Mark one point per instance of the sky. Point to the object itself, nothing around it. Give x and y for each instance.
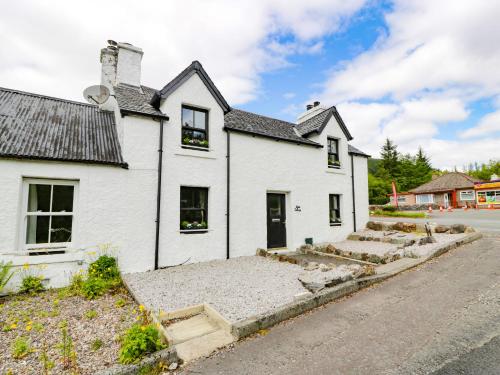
(421, 72)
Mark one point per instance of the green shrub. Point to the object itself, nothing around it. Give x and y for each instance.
(32, 284)
(96, 344)
(389, 208)
(76, 284)
(104, 267)
(90, 314)
(5, 274)
(138, 341)
(20, 348)
(94, 287)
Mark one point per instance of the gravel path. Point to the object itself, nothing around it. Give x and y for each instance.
(237, 288)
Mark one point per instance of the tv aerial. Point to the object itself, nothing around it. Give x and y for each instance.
(97, 94)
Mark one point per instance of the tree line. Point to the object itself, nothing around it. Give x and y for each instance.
(410, 171)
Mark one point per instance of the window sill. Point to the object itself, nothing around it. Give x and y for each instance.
(198, 148)
(335, 166)
(335, 224)
(187, 231)
(335, 170)
(193, 152)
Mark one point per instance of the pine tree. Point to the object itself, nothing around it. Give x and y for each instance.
(390, 157)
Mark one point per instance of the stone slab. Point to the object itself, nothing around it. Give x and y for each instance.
(204, 345)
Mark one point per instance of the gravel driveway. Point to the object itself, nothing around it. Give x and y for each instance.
(237, 288)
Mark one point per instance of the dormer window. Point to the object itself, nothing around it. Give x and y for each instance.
(194, 126)
(333, 153)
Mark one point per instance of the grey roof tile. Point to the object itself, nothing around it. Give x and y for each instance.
(251, 123)
(356, 151)
(40, 127)
(137, 100)
(447, 182)
(318, 122)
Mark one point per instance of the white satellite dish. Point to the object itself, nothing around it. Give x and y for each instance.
(97, 94)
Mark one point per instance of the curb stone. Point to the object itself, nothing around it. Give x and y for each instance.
(253, 324)
(168, 356)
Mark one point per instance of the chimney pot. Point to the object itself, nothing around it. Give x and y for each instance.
(309, 106)
(316, 103)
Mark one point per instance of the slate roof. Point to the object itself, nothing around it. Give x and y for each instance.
(35, 126)
(136, 100)
(251, 123)
(194, 68)
(317, 123)
(356, 151)
(447, 182)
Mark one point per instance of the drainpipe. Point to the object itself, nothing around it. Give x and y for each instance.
(353, 193)
(158, 195)
(227, 192)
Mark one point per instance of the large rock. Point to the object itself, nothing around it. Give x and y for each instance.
(405, 227)
(441, 228)
(375, 225)
(311, 266)
(330, 249)
(457, 228)
(426, 240)
(469, 230)
(317, 280)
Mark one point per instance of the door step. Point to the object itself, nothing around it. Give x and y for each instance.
(197, 336)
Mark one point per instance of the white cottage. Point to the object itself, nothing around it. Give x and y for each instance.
(168, 176)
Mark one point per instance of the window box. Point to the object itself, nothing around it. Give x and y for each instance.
(333, 163)
(194, 127)
(193, 209)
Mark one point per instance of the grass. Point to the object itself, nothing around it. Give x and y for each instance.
(414, 215)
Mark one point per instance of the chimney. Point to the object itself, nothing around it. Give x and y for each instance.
(311, 111)
(121, 63)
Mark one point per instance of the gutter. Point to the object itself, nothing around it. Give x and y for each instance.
(353, 193)
(158, 196)
(228, 181)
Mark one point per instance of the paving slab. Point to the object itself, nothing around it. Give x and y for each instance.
(204, 345)
(198, 325)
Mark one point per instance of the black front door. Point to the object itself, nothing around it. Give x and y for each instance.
(276, 220)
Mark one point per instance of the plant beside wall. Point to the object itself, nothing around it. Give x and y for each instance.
(194, 142)
(6, 274)
(139, 340)
(186, 225)
(31, 281)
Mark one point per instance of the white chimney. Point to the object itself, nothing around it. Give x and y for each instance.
(311, 111)
(121, 63)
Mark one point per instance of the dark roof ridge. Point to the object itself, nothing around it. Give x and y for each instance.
(50, 97)
(194, 67)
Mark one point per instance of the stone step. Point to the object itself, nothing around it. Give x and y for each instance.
(204, 345)
(185, 330)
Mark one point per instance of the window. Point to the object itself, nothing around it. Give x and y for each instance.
(194, 208)
(467, 195)
(333, 153)
(194, 127)
(425, 198)
(335, 209)
(488, 196)
(48, 219)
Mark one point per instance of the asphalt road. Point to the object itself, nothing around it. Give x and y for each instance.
(484, 220)
(440, 318)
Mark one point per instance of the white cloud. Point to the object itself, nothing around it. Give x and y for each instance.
(53, 48)
(436, 58)
(289, 95)
(487, 126)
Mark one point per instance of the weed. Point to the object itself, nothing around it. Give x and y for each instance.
(47, 364)
(120, 302)
(138, 341)
(91, 314)
(5, 274)
(38, 327)
(96, 344)
(94, 287)
(66, 347)
(32, 285)
(105, 267)
(20, 348)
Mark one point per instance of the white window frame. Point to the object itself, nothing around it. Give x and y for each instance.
(46, 247)
(430, 201)
(470, 192)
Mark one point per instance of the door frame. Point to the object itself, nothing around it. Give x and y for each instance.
(288, 217)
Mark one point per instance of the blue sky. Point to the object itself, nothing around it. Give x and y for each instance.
(422, 72)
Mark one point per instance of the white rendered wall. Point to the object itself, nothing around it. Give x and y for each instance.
(260, 165)
(185, 167)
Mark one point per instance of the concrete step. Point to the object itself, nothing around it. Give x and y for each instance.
(185, 330)
(204, 345)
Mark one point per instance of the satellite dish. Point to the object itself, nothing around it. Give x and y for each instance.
(97, 94)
